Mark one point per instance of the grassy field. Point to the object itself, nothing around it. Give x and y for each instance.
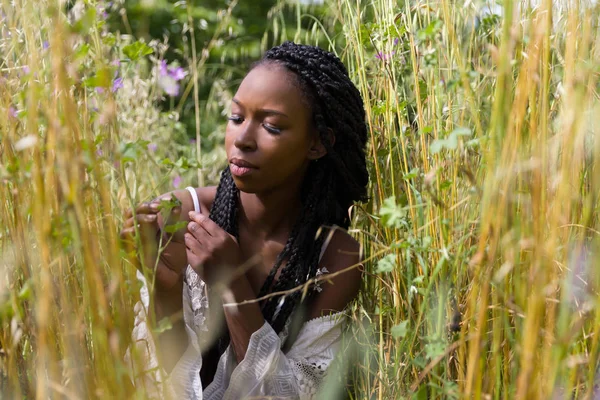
(480, 234)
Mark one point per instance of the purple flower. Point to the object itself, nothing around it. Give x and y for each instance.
(99, 152)
(169, 85)
(102, 12)
(168, 78)
(384, 56)
(117, 84)
(99, 89)
(45, 45)
(163, 68)
(177, 73)
(152, 147)
(396, 40)
(115, 63)
(176, 181)
(13, 112)
(26, 70)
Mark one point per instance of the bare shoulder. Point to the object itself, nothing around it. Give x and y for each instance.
(341, 250)
(342, 259)
(206, 197)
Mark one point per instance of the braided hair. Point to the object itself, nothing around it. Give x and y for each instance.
(331, 184)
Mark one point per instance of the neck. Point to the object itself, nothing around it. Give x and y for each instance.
(269, 212)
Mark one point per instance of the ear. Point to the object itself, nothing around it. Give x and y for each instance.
(317, 149)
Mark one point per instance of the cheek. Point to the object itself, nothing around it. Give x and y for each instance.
(229, 138)
(286, 156)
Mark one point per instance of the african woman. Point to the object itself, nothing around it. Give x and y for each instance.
(295, 144)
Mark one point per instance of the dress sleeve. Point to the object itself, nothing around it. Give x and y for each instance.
(185, 377)
(267, 371)
(184, 380)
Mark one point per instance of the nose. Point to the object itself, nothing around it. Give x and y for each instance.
(244, 138)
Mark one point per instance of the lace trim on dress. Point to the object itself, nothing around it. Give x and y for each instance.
(265, 371)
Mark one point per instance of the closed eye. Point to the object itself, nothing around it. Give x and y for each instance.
(272, 129)
(236, 119)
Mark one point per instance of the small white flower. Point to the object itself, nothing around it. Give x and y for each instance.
(26, 142)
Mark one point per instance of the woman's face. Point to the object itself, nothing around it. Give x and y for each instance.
(269, 138)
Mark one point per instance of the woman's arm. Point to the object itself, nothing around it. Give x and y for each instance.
(242, 320)
(169, 274)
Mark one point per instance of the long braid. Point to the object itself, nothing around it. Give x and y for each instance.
(331, 185)
(224, 209)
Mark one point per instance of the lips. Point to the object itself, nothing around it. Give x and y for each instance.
(239, 167)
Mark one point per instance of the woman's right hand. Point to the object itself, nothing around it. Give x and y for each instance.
(172, 261)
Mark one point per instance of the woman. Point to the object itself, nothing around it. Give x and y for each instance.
(295, 143)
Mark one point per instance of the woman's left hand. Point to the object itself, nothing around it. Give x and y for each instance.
(210, 249)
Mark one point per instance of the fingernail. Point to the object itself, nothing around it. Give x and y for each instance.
(192, 226)
(192, 214)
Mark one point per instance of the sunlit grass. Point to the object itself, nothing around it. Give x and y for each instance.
(483, 202)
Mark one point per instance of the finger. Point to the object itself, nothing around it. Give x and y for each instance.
(198, 231)
(127, 233)
(209, 225)
(191, 243)
(144, 208)
(128, 223)
(146, 218)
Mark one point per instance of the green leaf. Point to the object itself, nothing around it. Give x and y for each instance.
(136, 50)
(400, 330)
(411, 175)
(130, 151)
(26, 291)
(386, 264)
(421, 394)
(391, 214)
(166, 204)
(434, 349)
(83, 25)
(437, 145)
(172, 228)
(103, 79)
(82, 51)
(109, 39)
(461, 132)
(426, 242)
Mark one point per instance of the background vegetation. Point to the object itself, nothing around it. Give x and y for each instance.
(481, 235)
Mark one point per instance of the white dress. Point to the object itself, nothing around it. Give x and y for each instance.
(265, 370)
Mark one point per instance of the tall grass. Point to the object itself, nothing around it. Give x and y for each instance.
(481, 232)
(483, 139)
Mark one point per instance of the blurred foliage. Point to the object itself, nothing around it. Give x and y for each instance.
(228, 37)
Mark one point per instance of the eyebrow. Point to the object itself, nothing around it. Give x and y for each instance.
(263, 110)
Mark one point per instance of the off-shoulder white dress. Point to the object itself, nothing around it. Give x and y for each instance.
(266, 370)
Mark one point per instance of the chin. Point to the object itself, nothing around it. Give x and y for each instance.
(245, 186)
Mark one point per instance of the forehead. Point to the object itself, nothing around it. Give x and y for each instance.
(270, 86)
